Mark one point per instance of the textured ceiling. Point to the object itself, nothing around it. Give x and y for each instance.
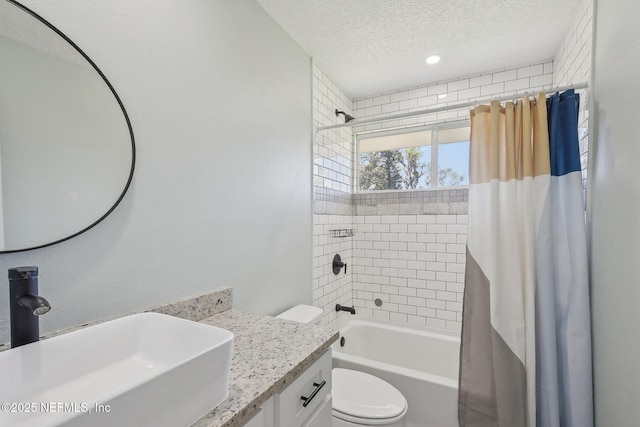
(374, 46)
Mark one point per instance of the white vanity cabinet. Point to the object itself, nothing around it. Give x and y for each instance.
(289, 409)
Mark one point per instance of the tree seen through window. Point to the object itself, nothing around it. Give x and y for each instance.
(403, 169)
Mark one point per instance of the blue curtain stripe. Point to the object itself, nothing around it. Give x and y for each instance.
(562, 116)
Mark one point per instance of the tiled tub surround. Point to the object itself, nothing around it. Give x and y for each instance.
(332, 150)
(409, 252)
(332, 197)
(332, 202)
(268, 353)
(414, 202)
(330, 289)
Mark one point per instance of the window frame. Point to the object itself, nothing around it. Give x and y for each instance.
(434, 128)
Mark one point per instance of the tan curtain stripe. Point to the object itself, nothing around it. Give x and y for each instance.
(515, 132)
(541, 157)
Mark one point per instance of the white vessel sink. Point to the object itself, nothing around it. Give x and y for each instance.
(146, 369)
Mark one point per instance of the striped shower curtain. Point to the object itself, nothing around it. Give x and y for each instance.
(526, 354)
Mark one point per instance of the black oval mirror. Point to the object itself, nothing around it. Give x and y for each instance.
(67, 150)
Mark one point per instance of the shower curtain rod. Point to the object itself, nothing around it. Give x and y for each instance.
(357, 122)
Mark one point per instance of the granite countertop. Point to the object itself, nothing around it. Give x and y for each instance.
(268, 354)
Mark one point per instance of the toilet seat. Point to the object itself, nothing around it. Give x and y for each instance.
(362, 398)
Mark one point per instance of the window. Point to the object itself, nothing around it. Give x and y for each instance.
(419, 158)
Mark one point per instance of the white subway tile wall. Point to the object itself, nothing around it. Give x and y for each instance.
(414, 264)
(572, 63)
(330, 289)
(332, 149)
(333, 189)
(504, 82)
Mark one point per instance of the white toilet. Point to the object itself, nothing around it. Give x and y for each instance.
(358, 398)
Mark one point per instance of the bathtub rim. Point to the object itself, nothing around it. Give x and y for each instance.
(353, 321)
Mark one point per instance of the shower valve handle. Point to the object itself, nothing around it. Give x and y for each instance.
(338, 264)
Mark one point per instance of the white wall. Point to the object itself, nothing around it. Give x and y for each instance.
(615, 210)
(220, 101)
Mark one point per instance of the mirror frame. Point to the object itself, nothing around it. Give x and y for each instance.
(124, 112)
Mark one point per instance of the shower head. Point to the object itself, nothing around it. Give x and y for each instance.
(347, 117)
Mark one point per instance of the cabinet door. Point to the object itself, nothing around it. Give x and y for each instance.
(322, 416)
(305, 394)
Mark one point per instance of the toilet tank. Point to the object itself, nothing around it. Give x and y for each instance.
(303, 313)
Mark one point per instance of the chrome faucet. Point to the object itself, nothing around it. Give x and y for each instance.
(25, 305)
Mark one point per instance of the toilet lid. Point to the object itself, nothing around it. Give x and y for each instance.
(361, 395)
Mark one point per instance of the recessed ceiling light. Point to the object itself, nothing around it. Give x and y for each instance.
(433, 59)
(442, 95)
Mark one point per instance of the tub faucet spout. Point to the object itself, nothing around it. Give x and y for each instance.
(351, 310)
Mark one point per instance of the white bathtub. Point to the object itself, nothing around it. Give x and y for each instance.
(420, 362)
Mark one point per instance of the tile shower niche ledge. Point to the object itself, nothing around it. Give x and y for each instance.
(143, 369)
